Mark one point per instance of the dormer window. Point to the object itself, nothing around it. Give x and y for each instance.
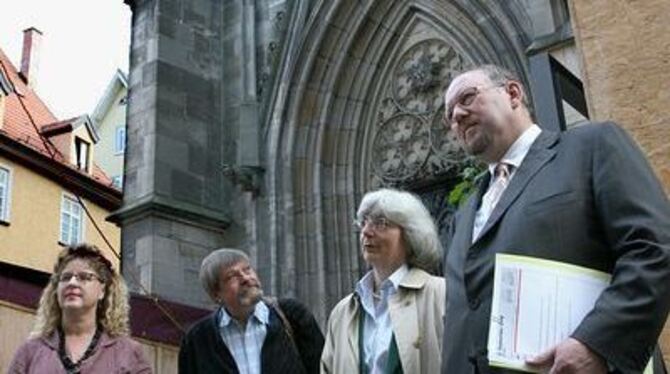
(83, 150)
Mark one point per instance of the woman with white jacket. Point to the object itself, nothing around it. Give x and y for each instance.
(393, 321)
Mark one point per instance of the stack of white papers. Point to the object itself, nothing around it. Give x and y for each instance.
(536, 305)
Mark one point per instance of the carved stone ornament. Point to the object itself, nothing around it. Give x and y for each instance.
(401, 147)
(422, 75)
(248, 178)
(412, 143)
(446, 154)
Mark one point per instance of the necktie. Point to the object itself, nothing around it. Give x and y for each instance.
(499, 184)
(491, 197)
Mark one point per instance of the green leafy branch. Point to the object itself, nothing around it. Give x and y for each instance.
(466, 186)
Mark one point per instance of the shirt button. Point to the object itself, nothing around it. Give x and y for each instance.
(474, 303)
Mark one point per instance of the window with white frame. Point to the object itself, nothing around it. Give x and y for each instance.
(5, 185)
(71, 225)
(120, 140)
(83, 149)
(117, 181)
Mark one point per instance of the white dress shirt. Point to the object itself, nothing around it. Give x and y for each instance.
(513, 157)
(245, 342)
(378, 329)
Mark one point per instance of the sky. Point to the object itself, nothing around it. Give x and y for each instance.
(83, 43)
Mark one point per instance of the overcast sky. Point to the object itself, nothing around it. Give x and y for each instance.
(84, 42)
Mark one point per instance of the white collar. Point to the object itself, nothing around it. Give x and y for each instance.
(261, 313)
(398, 275)
(365, 285)
(519, 149)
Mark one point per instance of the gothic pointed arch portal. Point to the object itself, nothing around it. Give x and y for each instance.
(357, 105)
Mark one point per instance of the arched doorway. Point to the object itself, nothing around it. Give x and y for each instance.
(357, 106)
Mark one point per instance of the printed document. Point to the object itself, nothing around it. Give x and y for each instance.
(536, 305)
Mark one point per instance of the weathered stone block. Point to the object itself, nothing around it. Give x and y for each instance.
(187, 187)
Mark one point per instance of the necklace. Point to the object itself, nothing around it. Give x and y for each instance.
(73, 367)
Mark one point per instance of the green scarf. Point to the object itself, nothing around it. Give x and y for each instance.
(393, 365)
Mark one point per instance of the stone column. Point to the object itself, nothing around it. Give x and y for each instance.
(626, 59)
(173, 212)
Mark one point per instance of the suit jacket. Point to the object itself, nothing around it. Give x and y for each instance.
(203, 350)
(587, 197)
(416, 313)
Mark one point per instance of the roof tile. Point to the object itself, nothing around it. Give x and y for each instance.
(26, 114)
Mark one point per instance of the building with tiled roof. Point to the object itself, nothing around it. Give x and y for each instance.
(46, 163)
(46, 167)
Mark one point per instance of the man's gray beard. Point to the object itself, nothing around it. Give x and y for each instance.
(250, 296)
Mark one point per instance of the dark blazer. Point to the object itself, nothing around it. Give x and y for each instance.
(203, 350)
(588, 197)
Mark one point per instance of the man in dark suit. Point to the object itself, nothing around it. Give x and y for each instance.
(586, 197)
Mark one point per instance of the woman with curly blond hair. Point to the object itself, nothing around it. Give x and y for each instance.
(82, 320)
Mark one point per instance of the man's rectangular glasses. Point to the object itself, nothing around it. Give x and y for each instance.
(465, 99)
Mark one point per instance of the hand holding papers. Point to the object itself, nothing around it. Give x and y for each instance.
(570, 356)
(536, 305)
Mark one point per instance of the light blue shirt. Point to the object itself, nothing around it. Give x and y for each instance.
(514, 157)
(245, 342)
(378, 330)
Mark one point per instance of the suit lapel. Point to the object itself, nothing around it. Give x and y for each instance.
(352, 327)
(539, 154)
(405, 320)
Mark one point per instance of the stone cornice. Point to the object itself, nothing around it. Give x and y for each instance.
(153, 205)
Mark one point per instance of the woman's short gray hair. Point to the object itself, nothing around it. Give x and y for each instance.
(210, 270)
(407, 211)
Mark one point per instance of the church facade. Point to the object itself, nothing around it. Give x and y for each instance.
(259, 125)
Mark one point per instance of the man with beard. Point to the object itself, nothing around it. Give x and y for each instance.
(248, 333)
(586, 197)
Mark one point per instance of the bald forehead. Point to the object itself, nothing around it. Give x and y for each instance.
(465, 80)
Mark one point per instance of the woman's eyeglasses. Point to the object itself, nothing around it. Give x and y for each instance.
(81, 276)
(376, 223)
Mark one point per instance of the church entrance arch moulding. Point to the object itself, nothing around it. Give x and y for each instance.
(358, 106)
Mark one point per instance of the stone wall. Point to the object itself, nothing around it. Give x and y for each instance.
(626, 52)
(174, 210)
(626, 60)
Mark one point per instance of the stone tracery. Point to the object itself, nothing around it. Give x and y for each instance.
(411, 142)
